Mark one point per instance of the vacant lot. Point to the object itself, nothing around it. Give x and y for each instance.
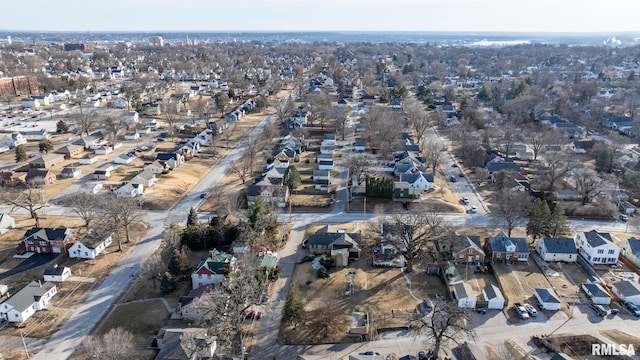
(621, 337)
(477, 281)
(384, 293)
(174, 185)
(142, 319)
(519, 280)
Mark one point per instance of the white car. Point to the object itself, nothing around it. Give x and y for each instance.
(473, 209)
(531, 310)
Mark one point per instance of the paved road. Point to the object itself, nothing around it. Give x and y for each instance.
(65, 340)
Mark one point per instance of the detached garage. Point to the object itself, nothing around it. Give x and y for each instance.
(465, 296)
(596, 293)
(547, 299)
(627, 291)
(493, 296)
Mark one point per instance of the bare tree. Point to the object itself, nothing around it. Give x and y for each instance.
(556, 167)
(120, 212)
(153, 268)
(84, 122)
(412, 233)
(283, 108)
(31, 199)
(171, 117)
(417, 119)
(358, 164)
(84, 205)
(432, 151)
(113, 126)
(327, 318)
(448, 322)
(589, 184)
(224, 309)
(341, 121)
(242, 168)
(116, 344)
(511, 207)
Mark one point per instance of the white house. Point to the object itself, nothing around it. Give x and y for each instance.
(24, 303)
(493, 296)
(132, 136)
(30, 103)
(93, 187)
(418, 180)
(56, 273)
(37, 135)
(156, 167)
(557, 249)
(129, 190)
(88, 159)
(103, 150)
(12, 140)
(596, 293)
(120, 103)
(6, 223)
(212, 268)
(597, 248)
(131, 117)
(627, 291)
(92, 244)
(325, 164)
(629, 248)
(547, 299)
(464, 295)
(124, 159)
(145, 178)
(172, 159)
(4, 149)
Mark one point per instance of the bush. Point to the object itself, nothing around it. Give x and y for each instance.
(327, 262)
(322, 273)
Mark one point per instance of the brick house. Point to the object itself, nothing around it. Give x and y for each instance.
(48, 240)
(508, 249)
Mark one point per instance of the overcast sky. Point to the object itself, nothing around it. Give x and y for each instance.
(284, 15)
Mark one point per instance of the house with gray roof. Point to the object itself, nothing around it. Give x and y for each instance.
(547, 298)
(596, 293)
(340, 245)
(185, 344)
(630, 249)
(508, 249)
(271, 194)
(418, 180)
(557, 249)
(464, 295)
(91, 244)
(597, 248)
(627, 291)
(26, 301)
(493, 296)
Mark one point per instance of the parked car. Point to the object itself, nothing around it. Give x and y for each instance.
(454, 165)
(305, 243)
(521, 311)
(473, 209)
(465, 200)
(254, 315)
(599, 309)
(422, 355)
(453, 178)
(370, 353)
(308, 258)
(624, 217)
(633, 308)
(461, 174)
(426, 307)
(530, 310)
(203, 195)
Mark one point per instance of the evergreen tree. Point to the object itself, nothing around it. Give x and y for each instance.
(168, 283)
(484, 94)
(260, 218)
(179, 264)
(538, 219)
(292, 178)
(21, 154)
(61, 127)
(557, 225)
(294, 312)
(45, 146)
(193, 217)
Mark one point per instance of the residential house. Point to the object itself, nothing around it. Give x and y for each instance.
(103, 150)
(323, 157)
(327, 149)
(629, 248)
(120, 103)
(403, 190)
(30, 103)
(274, 171)
(322, 179)
(581, 146)
(627, 291)
(40, 177)
(212, 269)
(145, 178)
(93, 187)
(100, 174)
(185, 344)
(466, 249)
(627, 208)
(12, 140)
(395, 104)
(518, 151)
(325, 164)
(91, 244)
(329, 139)
(48, 240)
(293, 143)
(567, 195)
(70, 151)
(508, 249)
(464, 294)
(157, 167)
(131, 117)
(4, 149)
(132, 136)
(129, 190)
(272, 194)
(266, 260)
(6, 223)
(12, 178)
(55, 273)
(151, 109)
(557, 249)
(37, 135)
(493, 296)
(547, 298)
(340, 245)
(46, 161)
(124, 159)
(360, 145)
(506, 165)
(596, 293)
(185, 303)
(285, 155)
(268, 180)
(26, 301)
(172, 159)
(597, 248)
(418, 180)
(87, 142)
(89, 159)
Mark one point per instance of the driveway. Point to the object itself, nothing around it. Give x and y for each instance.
(34, 261)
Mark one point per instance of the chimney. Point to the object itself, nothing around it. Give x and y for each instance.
(55, 266)
(39, 283)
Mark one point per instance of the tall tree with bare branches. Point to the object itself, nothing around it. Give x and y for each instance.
(447, 323)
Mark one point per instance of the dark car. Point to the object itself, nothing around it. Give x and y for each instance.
(453, 178)
(305, 243)
(461, 174)
(203, 195)
(370, 353)
(308, 258)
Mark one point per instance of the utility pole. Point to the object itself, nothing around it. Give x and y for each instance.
(26, 351)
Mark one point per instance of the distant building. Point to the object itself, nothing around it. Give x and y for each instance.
(156, 41)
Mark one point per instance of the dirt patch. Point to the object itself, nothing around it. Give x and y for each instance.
(142, 319)
(622, 337)
(519, 280)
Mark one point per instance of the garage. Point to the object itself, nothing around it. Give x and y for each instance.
(548, 299)
(596, 293)
(493, 296)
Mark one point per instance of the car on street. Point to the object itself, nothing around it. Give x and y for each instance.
(203, 195)
(305, 243)
(633, 308)
(531, 310)
(454, 165)
(599, 309)
(465, 200)
(453, 178)
(473, 209)
(521, 311)
(461, 174)
(371, 353)
(308, 258)
(624, 217)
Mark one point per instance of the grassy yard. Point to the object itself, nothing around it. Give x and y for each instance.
(142, 319)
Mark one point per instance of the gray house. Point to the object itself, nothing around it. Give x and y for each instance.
(340, 245)
(630, 249)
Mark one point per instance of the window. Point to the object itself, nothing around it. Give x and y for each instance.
(611, 252)
(86, 253)
(596, 259)
(199, 276)
(497, 255)
(477, 257)
(209, 276)
(600, 251)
